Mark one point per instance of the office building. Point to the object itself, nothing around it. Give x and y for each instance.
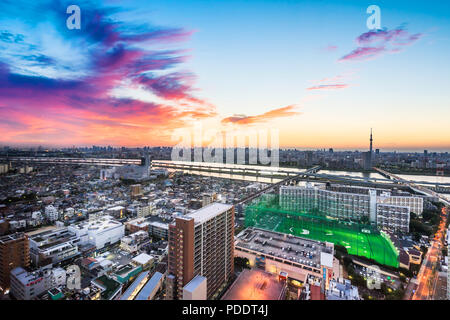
(14, 252)
(201, 243)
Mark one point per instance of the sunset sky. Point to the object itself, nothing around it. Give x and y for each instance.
(138, 70)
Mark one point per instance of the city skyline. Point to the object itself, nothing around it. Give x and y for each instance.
(371, 149)
(134, 73)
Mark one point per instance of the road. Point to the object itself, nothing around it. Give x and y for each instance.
(427, 273)
(414, 186)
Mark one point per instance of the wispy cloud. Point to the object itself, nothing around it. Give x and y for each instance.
(373, 44)
(328, 87)
(363, 53)
(270, 115)
(330, 48)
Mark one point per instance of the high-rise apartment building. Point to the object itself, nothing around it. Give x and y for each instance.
(334, 204)
(201, 243)
(14, 252)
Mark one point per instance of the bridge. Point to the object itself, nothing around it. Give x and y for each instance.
(82, 161)
(276, 185)
(227, 169)
(414, 186)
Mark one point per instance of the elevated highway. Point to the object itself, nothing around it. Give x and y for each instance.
(82, 161)
(276, 185)
(414, 186)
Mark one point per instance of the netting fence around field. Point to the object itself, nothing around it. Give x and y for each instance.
(359, 239)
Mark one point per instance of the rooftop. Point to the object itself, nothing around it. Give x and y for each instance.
(109, 285)
(11, 237)
(134, 285)
(255, 285)
(209, 212)
(52, 238)
(102, 223)
(288, 247)
(194, 283)
(142, 258)
(149, 287)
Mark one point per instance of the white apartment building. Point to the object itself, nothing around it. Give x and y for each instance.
(144, 211)
(132, 242)
(415, 204)
(4, 168)
(51, 213)
(388, 212)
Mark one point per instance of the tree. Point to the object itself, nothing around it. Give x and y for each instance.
(347, 261)
(241, 263)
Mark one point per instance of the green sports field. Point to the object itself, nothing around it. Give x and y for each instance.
(360, 240)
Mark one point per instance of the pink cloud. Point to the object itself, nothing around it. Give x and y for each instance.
(373, 44)
(363, 53)
(270, 115)
(328, 87)
(330, 48)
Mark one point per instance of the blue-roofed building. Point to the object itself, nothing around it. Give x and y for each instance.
(151, 288)
(135, 287)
